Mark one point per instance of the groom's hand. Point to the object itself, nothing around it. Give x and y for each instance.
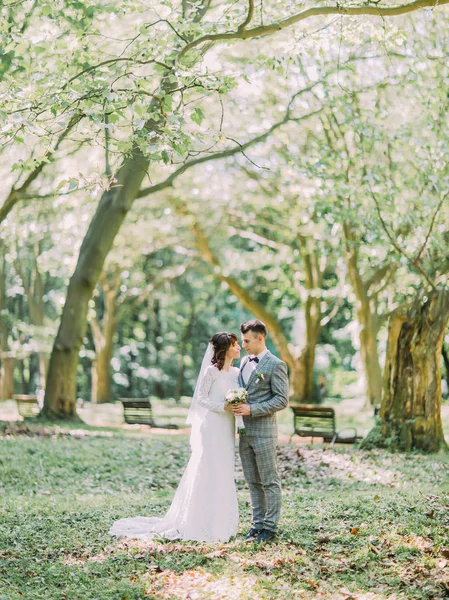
(243, 410)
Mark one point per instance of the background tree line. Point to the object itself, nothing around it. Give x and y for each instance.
(174, 169)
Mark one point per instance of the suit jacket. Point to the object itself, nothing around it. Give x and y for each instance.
(267, 393)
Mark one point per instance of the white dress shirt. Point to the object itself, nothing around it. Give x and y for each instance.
(251, 365)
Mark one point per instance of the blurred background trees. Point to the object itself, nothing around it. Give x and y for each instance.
(159, 185)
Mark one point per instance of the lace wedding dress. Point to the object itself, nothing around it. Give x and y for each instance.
(204, 507)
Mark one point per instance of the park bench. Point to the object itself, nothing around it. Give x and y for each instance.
(314, 421)
(138, 411)
(27, 406)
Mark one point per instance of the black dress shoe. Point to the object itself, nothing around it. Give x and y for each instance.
(265, 536)
(253, 533)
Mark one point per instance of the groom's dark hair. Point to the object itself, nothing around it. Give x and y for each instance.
(255, 326)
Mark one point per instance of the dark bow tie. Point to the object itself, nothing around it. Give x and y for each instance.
(254, 358)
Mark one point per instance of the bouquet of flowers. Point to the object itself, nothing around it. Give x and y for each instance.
(235, 398)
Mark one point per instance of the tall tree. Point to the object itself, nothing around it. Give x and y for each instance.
(6, 360)
(410, 415)
(33, 283)
(411, 404)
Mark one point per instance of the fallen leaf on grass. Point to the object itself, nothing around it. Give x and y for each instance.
(155, 569)
(294, 546)
(354, 530)
(374, 549)
(216, 554)
(237, 559)
(323, 539)
(347, 594)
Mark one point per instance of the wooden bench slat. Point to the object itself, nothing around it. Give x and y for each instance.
(138, 411)
(313, 421)
(27, 405)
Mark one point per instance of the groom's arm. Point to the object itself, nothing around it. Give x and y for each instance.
(279, 400)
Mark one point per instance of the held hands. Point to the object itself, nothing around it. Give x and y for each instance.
(242, 410)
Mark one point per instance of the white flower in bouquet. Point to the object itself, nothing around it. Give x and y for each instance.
(236, 397)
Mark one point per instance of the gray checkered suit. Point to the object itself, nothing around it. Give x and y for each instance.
(267, 393)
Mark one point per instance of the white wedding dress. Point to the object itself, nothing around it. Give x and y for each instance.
(204, 507)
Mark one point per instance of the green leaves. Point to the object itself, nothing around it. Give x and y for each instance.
(71, 184)
(46, 9)
(167, 103)
(165, 157)
(197, 116)
(113, 118)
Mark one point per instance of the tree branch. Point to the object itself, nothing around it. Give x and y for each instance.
(412, 261)
(30, 197)
(331, 314)
(110, 61)
(375, 293)
(420, 253)
(97, 333)
(378, 275)
(218, 155)
(249, 16)
(17, 194)
(251, 235)
(376, 11)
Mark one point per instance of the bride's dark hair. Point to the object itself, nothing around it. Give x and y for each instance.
(221, 342)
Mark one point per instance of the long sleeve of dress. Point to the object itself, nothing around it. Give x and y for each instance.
(204, 397)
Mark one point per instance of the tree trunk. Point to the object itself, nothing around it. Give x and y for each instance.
(6, 377)
(24, 385)
(410, 415)
(301, 377)
(101, 375)
(182, 352)
(37, 314)
(369, 351)
(34, 290)
(6, 362)
(302, 373)
(368, 321)
(43, 369)
(445, 355)
(103, 336)
(60, 394)
(158, 387)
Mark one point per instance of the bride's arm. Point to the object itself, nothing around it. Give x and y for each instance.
(204, 391)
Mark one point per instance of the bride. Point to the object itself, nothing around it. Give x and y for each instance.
(204, 507)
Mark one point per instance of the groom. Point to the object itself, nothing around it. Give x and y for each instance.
(265, 378)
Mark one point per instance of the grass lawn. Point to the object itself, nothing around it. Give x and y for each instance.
(355, 524)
